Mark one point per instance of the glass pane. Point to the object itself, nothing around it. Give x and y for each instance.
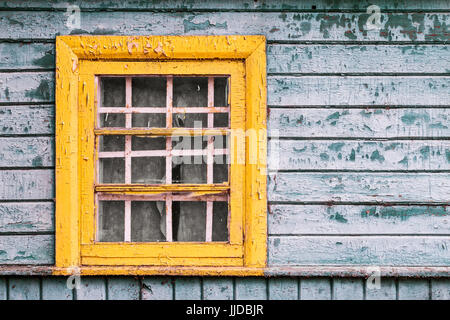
(190, 92)
(220, 92)
(221, 120)
(188, 169)
(111, 221)
(112, 143)
(112, 170)
(148, 221)
(112, 92)
(148, 143)
(149, 92)
(220, 169)
(148, 120)
(190, 120)
(112, 120)
(220, 221)
(148, 170)
(189, 221)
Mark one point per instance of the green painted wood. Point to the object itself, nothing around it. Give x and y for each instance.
(27, 249)
(157, 288)
(188, 288)
(357, 90)
(287, 219)
(359, 155)
(361, 123)
(217, 288)
(358, 59)
(312, 26)
(359, 250)
(315, 289)
(16, 56)
(24, 120)
(284, 5)
(27, 87)
(3, 289)
(359, 187)
(386, 291)
(250, 288)
(123, 288)
(55, 288)
(27, 184)
(348, 289)
(413, 289)
(24, 288)
(92, 288)
(27, 152)
(440, 289)
(27, 217)
(283, 289)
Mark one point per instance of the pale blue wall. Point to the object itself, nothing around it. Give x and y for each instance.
(361, 119)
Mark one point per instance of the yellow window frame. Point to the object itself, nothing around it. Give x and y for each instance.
(79, 59)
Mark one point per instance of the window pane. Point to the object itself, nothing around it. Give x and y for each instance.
(148, 143)
(112, 170)
(221, 120)
(149, 92)
(111, 120)
(112, 143)
(220, 169)
(111, 221)
(190, 92)
(189, 221)
(112, 91)
(148, 120)
(189, 169)
(220, 92)
(148, 221)
(220, 221)
(148, 170)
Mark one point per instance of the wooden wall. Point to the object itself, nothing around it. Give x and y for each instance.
(359, 121)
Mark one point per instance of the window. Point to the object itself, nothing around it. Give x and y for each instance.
(161, 155)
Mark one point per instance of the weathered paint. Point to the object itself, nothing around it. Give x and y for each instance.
(26, 120)
(27, 217)
(27, 250)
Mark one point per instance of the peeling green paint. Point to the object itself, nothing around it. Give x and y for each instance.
(403, 213)
(376, 156)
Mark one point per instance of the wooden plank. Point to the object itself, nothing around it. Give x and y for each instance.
(358, 90)
(3, 289)
(309, 26)
(386, 291)
(26, 152)
(217, 289)
(283, 288)
(287, 219)
(24, 288)
(251, 289)
(188, 288)
(357, 187)
(360, 155)
(92, 288)
(55, 288)
(359, 250)
(348, 289)
(17, 56)
(157, 288)
(27, 217)
(247, 5)
(330, 58)
(123, 288)
(315, 289)
(27, 184)
(363, 123)
(413, 289)
(440, 289)
(27, 87)
(24, 120)
(29, 250)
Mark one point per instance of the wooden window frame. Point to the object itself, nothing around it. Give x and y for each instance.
(78, 60)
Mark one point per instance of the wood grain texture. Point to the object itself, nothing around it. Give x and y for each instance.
(55, 288)
(315, 289)
(414, 289)
(251, 289)
(359, 155)
(17, 56)
(359, 250)
(357, 90)
(123, 288)
(157, 288)
(386, 290)
(359, 187)
(23, 288)
(25, 120)
(283, 289)
(27, 249)
(27, 152)
(361, 123)
(188, 288)
(27, 184)
(416, 27)
(26, 217)
(290, 219)
(357, 59)
(218, 289)
(92, 288)
(348, 289)
(27, 87)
